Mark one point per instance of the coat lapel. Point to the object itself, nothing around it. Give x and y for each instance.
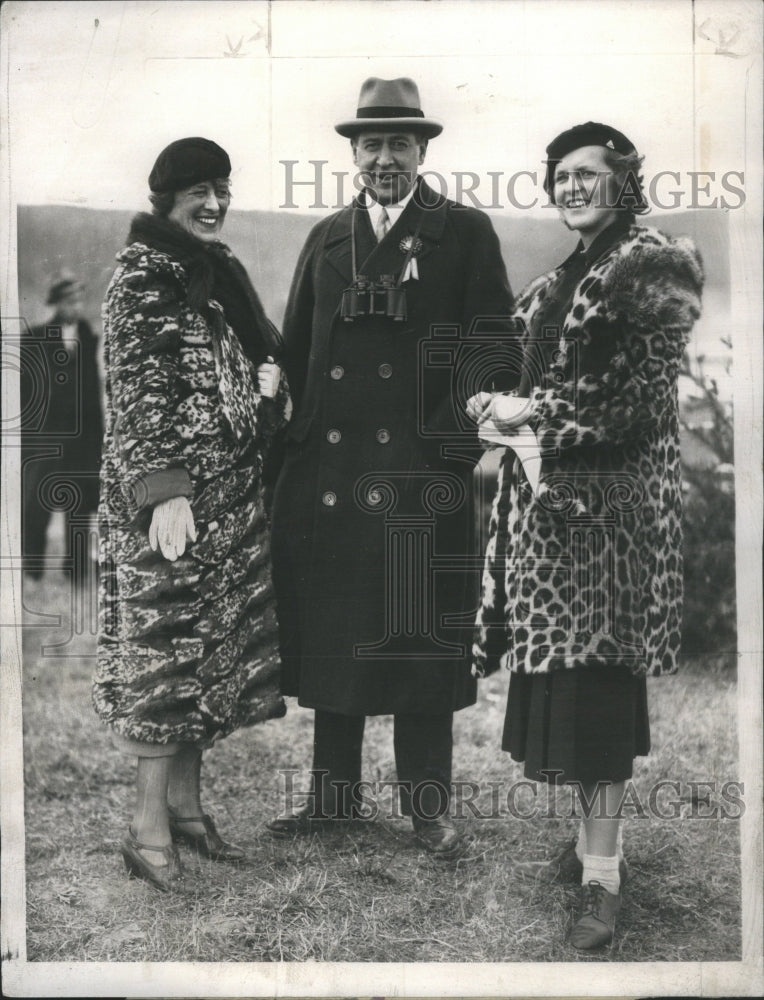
(337, 247)
(425, 216)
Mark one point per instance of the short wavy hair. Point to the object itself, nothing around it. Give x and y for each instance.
(162, 202)
(627, 168)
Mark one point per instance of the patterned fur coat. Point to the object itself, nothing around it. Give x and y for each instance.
(187, 651)
(589, 572)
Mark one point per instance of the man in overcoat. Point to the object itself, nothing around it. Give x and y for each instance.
(62, 422)
(373, 525)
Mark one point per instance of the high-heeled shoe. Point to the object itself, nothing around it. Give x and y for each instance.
(163, 877)
(209, 844)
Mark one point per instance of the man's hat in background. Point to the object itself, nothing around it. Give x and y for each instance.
(63, 285)
(389, 104)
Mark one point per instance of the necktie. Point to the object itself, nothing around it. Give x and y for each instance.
(383, 225)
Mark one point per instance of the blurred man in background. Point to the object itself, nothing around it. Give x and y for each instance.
(61, 424)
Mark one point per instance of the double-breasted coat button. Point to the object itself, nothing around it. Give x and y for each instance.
(337, 372)
(383, 436)
(385, 370)
(329, 498)
(333, 436)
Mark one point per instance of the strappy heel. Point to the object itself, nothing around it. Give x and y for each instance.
(209, 844)
(162, 877)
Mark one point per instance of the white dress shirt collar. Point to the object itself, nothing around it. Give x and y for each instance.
(393, 211)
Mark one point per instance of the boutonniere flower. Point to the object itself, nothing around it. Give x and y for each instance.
(411, 246)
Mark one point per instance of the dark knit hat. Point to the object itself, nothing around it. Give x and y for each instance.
(186, 162)
(588, 134)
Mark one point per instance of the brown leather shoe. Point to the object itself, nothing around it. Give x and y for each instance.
(439, 837)
(565, 868)
(596, 924)
(162, 877)
(209, 844)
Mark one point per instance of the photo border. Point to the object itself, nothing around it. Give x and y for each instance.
(22, 978)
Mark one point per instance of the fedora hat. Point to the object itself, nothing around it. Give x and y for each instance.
(63, 285)
(389, 104)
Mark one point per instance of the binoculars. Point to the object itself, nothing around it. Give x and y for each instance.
(374, 298)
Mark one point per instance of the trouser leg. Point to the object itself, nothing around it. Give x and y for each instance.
(337, 743)
(423, 753)
(35, 519)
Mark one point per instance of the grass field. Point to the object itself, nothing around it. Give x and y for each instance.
(366, 894)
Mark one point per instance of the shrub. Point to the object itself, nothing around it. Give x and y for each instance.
(709, 515)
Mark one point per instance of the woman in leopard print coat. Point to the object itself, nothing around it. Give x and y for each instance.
(582, 586)
(187, 646)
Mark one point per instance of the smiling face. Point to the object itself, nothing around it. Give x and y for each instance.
(201, 208)
(585, 191)
(388, 163)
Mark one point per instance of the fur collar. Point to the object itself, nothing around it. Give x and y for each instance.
(645, 276)
(211, 272)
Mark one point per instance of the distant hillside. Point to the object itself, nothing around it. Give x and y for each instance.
(84, 240)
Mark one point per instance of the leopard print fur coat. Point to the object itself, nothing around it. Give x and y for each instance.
(589, 570)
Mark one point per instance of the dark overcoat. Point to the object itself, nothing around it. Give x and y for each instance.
(373, 526)
(589, 571)
(62, 412)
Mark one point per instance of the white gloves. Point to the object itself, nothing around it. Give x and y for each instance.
(477, 403)
(172, 525)
(268, 378)
(506, 412)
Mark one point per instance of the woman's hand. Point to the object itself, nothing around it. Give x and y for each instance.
(268, 378)
(477, 403)
(172, 525)
(506, 412)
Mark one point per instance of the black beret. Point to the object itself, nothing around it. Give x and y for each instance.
(588, 134)
(186, 162)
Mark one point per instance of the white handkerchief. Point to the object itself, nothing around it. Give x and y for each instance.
(523, 443)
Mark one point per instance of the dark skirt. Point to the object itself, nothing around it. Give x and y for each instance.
(584, 725)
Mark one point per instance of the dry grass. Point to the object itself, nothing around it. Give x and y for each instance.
(366, 894)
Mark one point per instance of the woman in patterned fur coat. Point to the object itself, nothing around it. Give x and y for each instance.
(583, 582)
(187, 648)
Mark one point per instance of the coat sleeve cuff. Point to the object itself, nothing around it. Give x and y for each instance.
(154, 487)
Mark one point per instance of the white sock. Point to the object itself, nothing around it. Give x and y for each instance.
(581, 842)
(602, 870)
